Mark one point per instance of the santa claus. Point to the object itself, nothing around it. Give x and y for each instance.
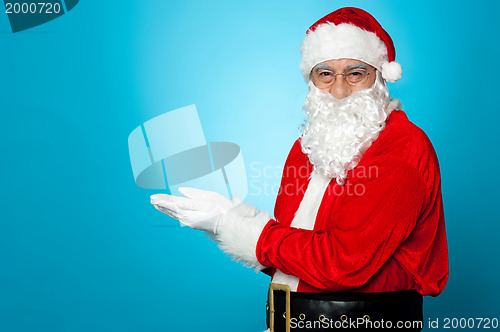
(358, 234)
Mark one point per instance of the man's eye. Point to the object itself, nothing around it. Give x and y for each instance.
(356, 74)
(325, 76)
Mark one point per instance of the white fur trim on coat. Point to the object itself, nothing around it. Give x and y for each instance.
(344, 41)
(238, 233)
(305, 218)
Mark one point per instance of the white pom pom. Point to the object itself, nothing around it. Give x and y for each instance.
(391, 71)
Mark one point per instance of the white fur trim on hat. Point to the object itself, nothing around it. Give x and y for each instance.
(344, 41)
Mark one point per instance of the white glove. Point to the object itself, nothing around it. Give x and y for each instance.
(200, 209)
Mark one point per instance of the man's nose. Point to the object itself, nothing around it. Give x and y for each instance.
(340, 89)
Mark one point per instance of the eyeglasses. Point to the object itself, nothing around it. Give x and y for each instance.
(323, 77)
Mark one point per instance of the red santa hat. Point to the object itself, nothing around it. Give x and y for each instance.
(350, 33)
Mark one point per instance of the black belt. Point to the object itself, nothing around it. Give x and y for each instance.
(295, 311)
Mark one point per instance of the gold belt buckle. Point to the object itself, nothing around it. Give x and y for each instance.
(285, 288)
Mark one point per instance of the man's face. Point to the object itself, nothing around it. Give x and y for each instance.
(327, 76)
(344, 115)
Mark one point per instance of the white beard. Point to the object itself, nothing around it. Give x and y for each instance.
(337, 132)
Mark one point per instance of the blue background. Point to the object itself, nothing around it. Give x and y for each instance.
(81, 247)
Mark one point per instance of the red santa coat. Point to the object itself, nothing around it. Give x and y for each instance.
(383, 230)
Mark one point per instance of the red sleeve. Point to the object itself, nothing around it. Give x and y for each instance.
(364, 229)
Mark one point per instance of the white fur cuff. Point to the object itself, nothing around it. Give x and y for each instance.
(238, 233)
